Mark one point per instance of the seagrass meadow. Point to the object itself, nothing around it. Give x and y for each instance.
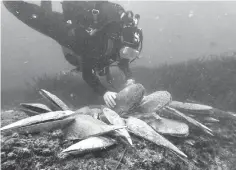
(210, 80)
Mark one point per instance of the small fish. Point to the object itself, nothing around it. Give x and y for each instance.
(57, 103)
(142, 129)
(197, 108)
(190, 120)
(38, 119)
(32, 109)
(128, 98)
(90, 144)
(154, 101)
(86, 126)
(115, 119)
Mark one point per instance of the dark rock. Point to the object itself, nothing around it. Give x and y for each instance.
(46, 152)
(57, 134)
(15, 135)
(11, 155)
(9, 165)
(3, 155)
(23, 152)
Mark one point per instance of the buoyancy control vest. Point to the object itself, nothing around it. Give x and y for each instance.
(104, 17)
(91, 15)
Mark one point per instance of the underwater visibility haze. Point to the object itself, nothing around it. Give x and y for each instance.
(189, 52)
(173, 32)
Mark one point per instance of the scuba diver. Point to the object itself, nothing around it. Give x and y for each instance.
(97, 34)
(117, 39)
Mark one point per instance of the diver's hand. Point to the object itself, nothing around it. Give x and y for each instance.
(129, 82)
(109, 98)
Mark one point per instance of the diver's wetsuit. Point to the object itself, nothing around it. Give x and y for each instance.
(92, 79)
(93, 48)
(93, 56)
(53, 24)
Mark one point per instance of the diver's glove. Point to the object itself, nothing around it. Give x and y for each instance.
(109, 98)
(91, 31)
(129, 82)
